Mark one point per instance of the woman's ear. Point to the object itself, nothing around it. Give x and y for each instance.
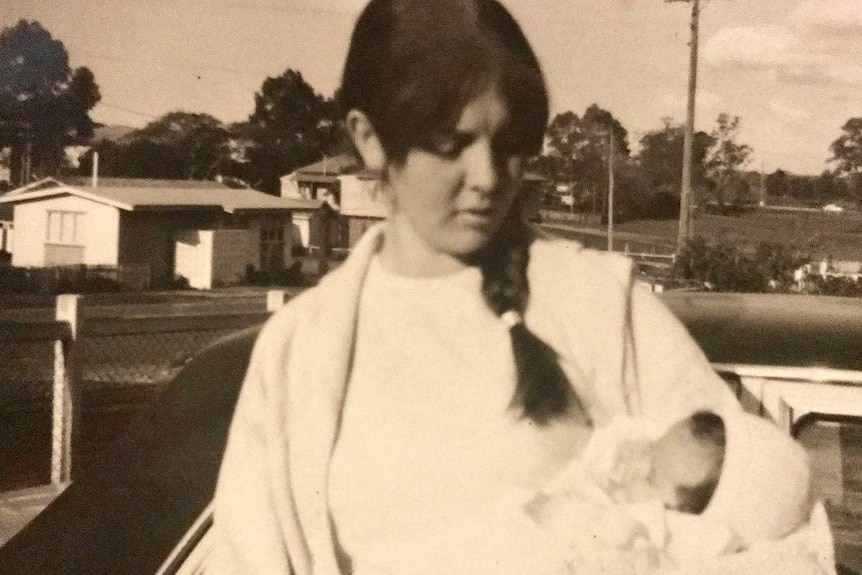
(366, 140)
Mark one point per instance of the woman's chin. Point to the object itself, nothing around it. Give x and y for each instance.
(467, 242)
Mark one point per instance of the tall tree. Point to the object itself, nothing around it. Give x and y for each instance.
(661, 158)
(847, 149)
(726, 156)
(199, 140)
(44, 103)
(577, 150)
(291, 126)
(179, 145)
(778, 183)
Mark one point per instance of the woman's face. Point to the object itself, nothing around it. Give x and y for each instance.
(447, 202)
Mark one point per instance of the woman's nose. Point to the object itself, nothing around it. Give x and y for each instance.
(481, 169)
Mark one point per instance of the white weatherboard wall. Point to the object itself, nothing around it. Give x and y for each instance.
(290, 187)
(99, 232)
(193, 257)
(210, 258)
(232, 252)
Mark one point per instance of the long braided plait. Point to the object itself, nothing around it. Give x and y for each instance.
(542, 391)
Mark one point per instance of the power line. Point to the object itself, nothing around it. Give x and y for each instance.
(190, 67)
(128, 110)
(278, 8)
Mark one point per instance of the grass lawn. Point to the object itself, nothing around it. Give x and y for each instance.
(823, 234)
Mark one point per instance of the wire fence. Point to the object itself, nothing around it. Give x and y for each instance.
(136, 360)
(103, 363)
(79, 371)
(26, 371)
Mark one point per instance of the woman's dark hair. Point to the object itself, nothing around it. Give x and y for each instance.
(543, 392)
(412, 67)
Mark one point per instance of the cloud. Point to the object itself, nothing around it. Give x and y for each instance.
(848, 75)
(346, 7)
(798, 59)
(789, 111)
(827, 75)
(829, 17)
(804, 76)
(752, 47)
(674, 105)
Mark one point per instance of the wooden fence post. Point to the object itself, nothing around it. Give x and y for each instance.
(66, 396)
(274, 300)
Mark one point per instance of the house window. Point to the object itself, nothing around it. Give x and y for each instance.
(64, 228)
(64, 241)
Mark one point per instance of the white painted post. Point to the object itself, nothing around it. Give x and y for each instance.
(66, 404)
(274, 300)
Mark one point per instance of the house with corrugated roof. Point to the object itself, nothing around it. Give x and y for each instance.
(320, 181)
(205, 232)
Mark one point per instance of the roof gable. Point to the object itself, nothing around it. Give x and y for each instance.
(155, 198)
(327, 168)
(85, 181)
(42, 184)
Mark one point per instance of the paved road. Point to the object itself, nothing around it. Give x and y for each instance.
(17, 508)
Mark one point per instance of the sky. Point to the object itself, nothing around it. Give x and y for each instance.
(790, 69)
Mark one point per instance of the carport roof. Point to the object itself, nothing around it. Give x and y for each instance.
(152, 198)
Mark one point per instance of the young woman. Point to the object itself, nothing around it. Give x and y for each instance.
(456, 359)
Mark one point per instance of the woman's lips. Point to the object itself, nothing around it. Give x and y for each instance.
(476, 216)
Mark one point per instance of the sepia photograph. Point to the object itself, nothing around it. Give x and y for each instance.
(431, 287)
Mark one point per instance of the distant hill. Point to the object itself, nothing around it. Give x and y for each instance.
(111, 133)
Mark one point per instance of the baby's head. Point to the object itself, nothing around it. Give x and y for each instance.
(742, 470)
(687, 462)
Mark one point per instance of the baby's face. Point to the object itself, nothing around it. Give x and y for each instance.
(682, 462)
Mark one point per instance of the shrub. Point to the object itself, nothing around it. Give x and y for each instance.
(728, 267)
(70, 279)
(19, 280)
(837, 286)
(290, 276)
(180, 283)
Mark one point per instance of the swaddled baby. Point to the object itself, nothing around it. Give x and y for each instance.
(636, 502)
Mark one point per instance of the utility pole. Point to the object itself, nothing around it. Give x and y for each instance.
(686, 223)
(611, 192)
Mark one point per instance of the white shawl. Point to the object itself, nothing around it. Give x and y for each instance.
(270, 510)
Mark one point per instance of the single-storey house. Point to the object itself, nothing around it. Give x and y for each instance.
(7, 225)
(205, 232)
